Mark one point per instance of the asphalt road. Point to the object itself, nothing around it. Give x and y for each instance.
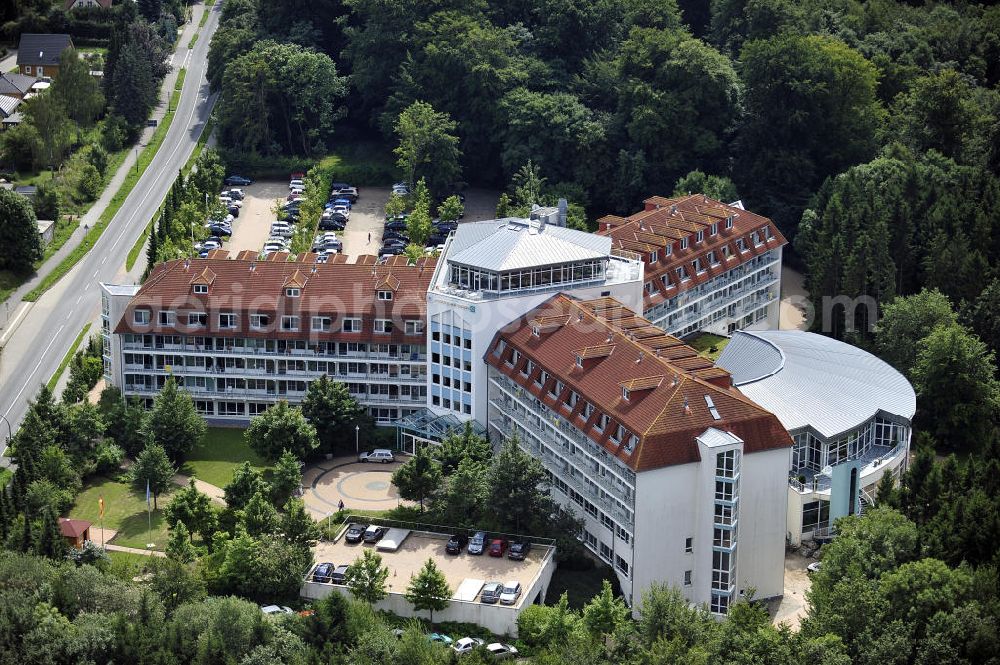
(35, 349)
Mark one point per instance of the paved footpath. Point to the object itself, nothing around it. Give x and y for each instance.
(216, 494)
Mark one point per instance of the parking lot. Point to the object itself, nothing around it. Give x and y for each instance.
(253, 226)
(421, 545)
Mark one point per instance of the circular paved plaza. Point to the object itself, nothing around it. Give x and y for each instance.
(360, 486)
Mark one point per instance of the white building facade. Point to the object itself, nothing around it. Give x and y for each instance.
(646, 443)
(849, 414)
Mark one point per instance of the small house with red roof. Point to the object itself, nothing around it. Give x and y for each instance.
(76, 532)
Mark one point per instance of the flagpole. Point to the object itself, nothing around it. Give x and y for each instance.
(149, 519)
(101, 501)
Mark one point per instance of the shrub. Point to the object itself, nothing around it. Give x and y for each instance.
(98, 157)
(108, 458)
(90, 183)
(115, 133)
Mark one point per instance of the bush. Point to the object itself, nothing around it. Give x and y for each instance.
(90, 183)
(115, 133)
(108, 458)
(47, 204)
(98, 157)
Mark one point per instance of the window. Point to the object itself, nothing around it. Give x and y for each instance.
(385, 295)
(543, 377)
(579, 361)
(622, 564)
(725, 251)
(755, 238)
(322, 323)
(289, 323)
(383, 325)
(698, 269)
(619, 434)
(741, 244)
(654, 257)
(700, 236)
(197, 320)
(351, 325)
(729, 222)
(259, 321)
(687, 578)
(682, 274)
(529, 368)
(727, 464)
(688, 545)
(815, 515)
(141, 316)
(167, 318)
(200, 288)
(684, 242)
(414, 327)
(588, 410)
(714, 229)
(293, 292)
(602, 422)
(624, 392)
(669, 249)
(766, 232)
(227, 321)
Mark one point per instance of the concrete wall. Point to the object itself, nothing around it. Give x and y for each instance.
(498, 619)
(763, 502)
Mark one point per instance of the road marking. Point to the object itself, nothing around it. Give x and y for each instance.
(27, 380)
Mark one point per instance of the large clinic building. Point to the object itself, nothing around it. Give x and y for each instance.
(678, 467)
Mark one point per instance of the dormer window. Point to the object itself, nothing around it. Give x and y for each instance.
(385, 295)
(624, 393)
(729, 222)
(682, 275)
(669, 249)
(579, 361)
(619, 434)
(698, 267)
(197, 320)
(755, 238)
(167, 318)
(654, 257)
(701, 236)
(632, 442)
(714, 229)
(200, 289)
(141, 317)
(588, 410)
(741, 244)
(684, 242)
(766, 232)
(536, 331)
(293, 292)
(712, 260)
(602, 422)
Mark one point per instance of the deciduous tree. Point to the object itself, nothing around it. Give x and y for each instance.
(331, 409)
(247, 481)
(152, 469)
(428, 589)
(428, 147)
(22, 246)
(174, 423)
(281, 428)
(366, 577)
(419, 478)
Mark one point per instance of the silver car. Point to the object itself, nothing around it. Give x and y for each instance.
(382, 455)
(510, 593)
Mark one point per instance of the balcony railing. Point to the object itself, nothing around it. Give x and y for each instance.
(313, 354)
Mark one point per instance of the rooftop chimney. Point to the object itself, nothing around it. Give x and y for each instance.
(563, 207)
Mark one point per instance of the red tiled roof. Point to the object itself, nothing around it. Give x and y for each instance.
(665, 221)
(666, 417)
(73, 528)
(336, 289)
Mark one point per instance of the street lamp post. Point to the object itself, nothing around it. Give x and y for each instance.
(357, 428)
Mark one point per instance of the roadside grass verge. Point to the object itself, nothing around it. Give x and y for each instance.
(90, 239)
(216, 457)
(204, 15)
(124, 511)
(67, 358)
(181, 73)
(194, 38)
(140, 243)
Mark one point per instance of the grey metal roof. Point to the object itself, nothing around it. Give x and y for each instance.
(41, 49)
(807, 379)
(15, 84)
(514, 244)
(7, 105)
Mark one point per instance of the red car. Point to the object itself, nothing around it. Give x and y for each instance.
(497, 547)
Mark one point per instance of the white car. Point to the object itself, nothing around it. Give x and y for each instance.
(276, 609)
(814, 567)
(209, 245)
(272, 247)
(296, 184)
(510, 593)
(230, 202)
(466, 644)
(281, 229)
(382, 455)
(501, 651)
(342, 209)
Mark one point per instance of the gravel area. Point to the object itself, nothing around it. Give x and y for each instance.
(793, 606)
(363, 233)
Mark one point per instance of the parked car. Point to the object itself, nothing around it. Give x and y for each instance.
(491, 592)
(814, 567)
(209, 245)
(229, 201)
(396, 225)
(221, 230)
(276, 609)
(394, 243)
(510, 593)
(281, 229)
(434, 240)
(392, 250)
(297, 182)
(395, 235)
(440, 637)
(322, 572)
(235, 193)
(272, 247)
(342, 201)
(355, 533)
(519, 550)
(322, 258)
(501, 651)
(477, 543)
(338, 574)
(331, 225)
(349, 193)
(498, 546)
(237, 180)
(466, 645)
(374, 533)
(297, 175)
(233, 210)
(382, 455)
(456, 544)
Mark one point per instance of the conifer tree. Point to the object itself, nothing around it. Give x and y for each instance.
(50, 541)
(26, 537)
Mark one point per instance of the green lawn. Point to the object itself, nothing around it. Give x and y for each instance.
(126, 565)
(707, 344)
(218, 455)
(124, 511)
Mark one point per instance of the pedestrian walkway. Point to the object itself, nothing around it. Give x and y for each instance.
(216, 494)
(344, 479)
(134, 550)
(9, 61)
